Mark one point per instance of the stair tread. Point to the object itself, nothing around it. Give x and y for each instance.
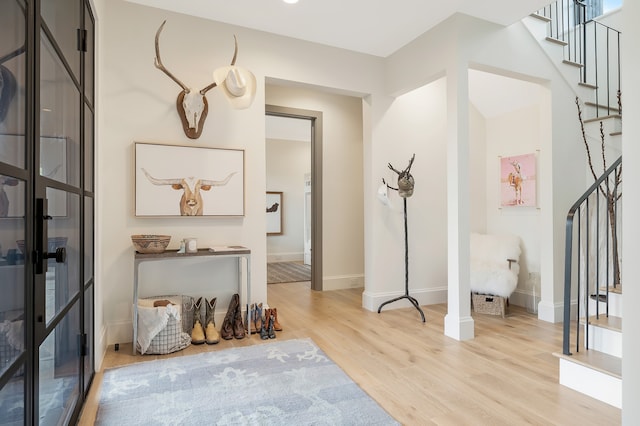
(604, 117)
(556, 41)
(595, 105)
(617, 289)
(572, 63)
(600, 361)
(590, 86)
(610, 322)
(541, 17)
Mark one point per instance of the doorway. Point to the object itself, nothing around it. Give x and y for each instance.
(46, 209)
(310, 188)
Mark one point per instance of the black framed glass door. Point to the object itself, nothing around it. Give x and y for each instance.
(46, 214)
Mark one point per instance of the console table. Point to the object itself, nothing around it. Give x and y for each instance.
(235, 251)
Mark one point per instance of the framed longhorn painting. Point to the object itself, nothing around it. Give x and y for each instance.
(176, 180)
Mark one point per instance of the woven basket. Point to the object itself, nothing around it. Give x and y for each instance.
(488, 304)
(150, 243)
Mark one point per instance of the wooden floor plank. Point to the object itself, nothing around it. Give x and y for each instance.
(507, 375)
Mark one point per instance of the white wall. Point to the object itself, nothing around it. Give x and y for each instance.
(287, 163)
(138, 104)
(631, 211)
(342, 179)
(414, 123)
(478, 170)
(461, 42)
(515, 133)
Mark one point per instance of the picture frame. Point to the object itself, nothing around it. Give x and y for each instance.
(518, 186)
(274, 213)
(176, 180)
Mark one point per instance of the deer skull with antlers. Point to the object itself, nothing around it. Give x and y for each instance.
(238, 85)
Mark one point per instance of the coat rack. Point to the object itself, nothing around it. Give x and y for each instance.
(405, 190)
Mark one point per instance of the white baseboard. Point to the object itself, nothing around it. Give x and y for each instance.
(553, 312)
(428, 296)
(341, 282)
(285, 257)
(119, 332)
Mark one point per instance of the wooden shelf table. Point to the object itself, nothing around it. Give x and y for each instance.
(236, 251)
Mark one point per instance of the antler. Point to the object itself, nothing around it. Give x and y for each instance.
(206, 182)
(161, 67)
(233, 62)
(156, 181)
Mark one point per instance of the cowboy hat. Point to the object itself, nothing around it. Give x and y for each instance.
(238, 85)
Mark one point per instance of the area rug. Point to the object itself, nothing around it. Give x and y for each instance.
(289, 382)
(287, 272)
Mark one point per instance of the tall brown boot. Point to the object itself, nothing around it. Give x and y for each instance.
(227, 325)
(276, 324)
(238, 326)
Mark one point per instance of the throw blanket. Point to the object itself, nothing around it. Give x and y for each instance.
(152, 321)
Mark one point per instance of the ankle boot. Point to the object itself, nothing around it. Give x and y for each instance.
(227, 325)
(238, 327)
(270, 332)
(197, 334)
(211, 333)
(276, 324)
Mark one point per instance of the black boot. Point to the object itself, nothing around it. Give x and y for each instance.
(270, 330)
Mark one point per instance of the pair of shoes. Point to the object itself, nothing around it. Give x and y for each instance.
(267, 329)
(232, 325)
(254, 318)
(273, 312)
(209, 334)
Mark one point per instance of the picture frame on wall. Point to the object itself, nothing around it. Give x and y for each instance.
(518, 181)
(175, 180)
(274, 213)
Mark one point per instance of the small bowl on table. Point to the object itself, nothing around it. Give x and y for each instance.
(150, 243)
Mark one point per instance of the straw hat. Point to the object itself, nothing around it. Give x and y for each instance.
(238, 85)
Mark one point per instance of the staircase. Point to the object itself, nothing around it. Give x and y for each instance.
(586, 54)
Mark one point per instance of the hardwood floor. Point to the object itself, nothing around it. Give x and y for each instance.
(507, 375)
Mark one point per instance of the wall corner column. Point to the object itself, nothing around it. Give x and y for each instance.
(458, 322)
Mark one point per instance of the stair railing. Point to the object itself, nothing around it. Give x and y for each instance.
(590, 44)
(595, 264)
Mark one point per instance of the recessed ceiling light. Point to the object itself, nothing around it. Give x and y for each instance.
(291, 1)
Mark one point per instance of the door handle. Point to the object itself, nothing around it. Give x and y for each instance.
(39, 255)
(60, 255)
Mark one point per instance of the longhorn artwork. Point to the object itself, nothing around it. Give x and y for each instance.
(237, 84)
(188, 181)
(191, 203)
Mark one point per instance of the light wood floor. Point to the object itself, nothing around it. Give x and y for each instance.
(507, 375)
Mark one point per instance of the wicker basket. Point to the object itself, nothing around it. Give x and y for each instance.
(489, 304)
(150, 243)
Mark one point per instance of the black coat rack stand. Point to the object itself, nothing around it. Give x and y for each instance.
(406, 271)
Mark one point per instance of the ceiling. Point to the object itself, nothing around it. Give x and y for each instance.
(375, 27)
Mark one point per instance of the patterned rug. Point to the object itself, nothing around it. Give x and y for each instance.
(287, 272)
(277, 383)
